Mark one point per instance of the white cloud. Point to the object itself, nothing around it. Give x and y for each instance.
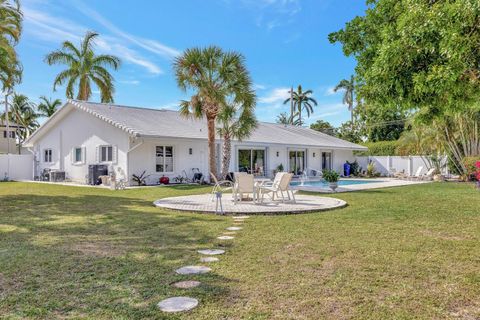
(133, 82)
(170, 106)
(53, 29)
(330, 91)
(258, 86)
(275, 96)
(147, 44)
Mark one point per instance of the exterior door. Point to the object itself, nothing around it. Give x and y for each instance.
(326, 160)
(297, 162)
(252, 161)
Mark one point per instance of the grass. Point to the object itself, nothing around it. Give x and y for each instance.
(399, 253)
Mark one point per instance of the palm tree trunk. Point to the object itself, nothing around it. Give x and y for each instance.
(300, 114)
(212, 164)
(226, 155)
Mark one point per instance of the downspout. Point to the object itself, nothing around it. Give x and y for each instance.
(127, 169)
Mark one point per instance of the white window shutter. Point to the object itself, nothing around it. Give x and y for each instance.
(84, 155)
(114, 154)
(97, 154)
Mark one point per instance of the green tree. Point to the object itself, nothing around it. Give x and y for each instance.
(420, 56)
(47, 107)
(10, 31)
(236, 121)
(348, 87)
(302, 100)
(22, 113)
(324, 126)
(214, 76)
(84, 67)
(380, 124)
(350, 131)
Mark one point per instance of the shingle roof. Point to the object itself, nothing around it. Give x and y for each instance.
(144, 122)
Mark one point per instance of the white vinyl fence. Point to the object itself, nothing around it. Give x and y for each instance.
(386, 164)
(16, 166)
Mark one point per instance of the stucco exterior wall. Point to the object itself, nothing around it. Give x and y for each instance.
(79, 129)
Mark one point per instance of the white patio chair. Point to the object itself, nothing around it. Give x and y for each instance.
(279, 186)
(244, 185)
(417, 174)
(220, 186)
(429, 175)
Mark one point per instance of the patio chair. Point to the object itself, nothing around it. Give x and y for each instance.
(244, 185)
(220, 186)
(417, 174)
(280, 184)
(429, 175)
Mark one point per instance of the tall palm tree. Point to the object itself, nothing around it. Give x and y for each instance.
(10, 30)
(22, 113)
(47, 107)
(83, 68)
(214, 76)
(348, 96)
(236, 122)
(284, 118)
(301, 100)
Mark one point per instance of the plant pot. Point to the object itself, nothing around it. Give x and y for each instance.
(438, 177)
(333, 185)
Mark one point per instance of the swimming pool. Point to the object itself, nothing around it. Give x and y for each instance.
(324, 184)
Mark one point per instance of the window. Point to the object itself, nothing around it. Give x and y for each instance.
(251, 161)
(47, 155)
(297, 162)
(326, 160)
(106, 154)
(11, 134)
(164, 159)
(77, 155)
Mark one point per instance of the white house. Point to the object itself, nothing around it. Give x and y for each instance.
(162, 143)
(8, 137)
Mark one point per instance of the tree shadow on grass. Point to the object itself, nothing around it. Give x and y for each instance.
(87, 255)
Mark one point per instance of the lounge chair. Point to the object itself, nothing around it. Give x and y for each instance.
(417, 174)
(429, 175)
(280, 185)
(220, 186)
(244, 185)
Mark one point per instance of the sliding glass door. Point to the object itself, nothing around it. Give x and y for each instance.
(251, 161)
(326, 160)
(297, 162)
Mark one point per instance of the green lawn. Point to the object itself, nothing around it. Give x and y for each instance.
(400, 253)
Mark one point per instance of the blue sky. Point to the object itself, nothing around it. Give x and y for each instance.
(284, 41)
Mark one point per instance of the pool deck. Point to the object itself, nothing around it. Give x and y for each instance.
(378, 183)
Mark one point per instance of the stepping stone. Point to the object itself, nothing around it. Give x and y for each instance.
(209, 259)
(211, 252)
(193, 270)
(225, 237)
(186, 284)
(241, 217)
(234, 228)
(177, 304)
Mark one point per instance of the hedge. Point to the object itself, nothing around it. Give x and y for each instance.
(380, 148)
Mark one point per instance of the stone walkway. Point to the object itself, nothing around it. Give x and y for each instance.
(203, 203)
(181, 304)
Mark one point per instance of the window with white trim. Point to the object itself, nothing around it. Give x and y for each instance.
(11, 134)
(77, 155)
(47, 155)
(106, 153)
(164, 159)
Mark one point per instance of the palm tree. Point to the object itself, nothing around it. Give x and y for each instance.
(348, 95)
(10, 30)
(215, 76)
(22, 113)
(301, 100)
(236, 122)
(48, 107)
(83, 68)
(284, 118)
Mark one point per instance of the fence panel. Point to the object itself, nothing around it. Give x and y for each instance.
(16, 166)
(408, 165)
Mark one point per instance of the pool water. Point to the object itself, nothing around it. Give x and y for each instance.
(324, 184)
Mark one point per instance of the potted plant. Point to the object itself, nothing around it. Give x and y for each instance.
(279, 168)
(438, 165)
(331, 176)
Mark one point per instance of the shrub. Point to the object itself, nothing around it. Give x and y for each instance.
(380, 148)
(470, 164)
(330, 175)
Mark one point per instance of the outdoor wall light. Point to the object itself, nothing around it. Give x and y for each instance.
(278, 154)
(190, 151)
(314, 154)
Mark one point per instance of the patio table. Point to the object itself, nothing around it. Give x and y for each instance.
(258, 184)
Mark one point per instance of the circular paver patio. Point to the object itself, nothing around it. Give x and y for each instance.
(203, 203)
(177, 304)
(193, 270)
